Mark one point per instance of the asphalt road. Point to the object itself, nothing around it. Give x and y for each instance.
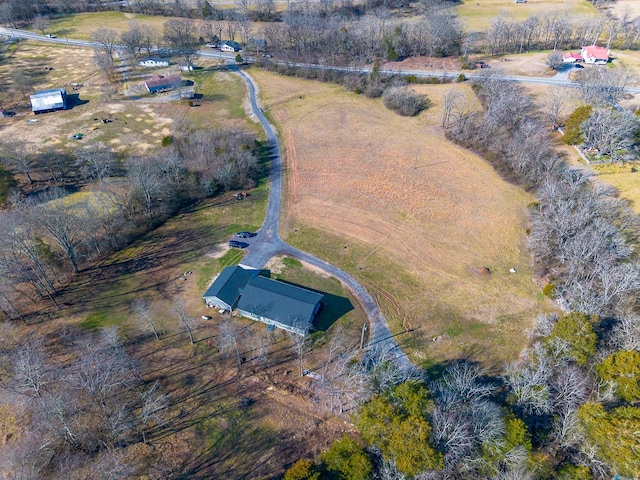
(558, 80)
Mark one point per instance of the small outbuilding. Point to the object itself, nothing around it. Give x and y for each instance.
(154, 62)
(230, 46)
(161, 84)
(49, 100)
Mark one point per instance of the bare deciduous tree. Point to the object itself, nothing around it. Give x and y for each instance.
(105, 40)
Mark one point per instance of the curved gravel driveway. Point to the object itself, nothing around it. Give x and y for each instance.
(267, 243)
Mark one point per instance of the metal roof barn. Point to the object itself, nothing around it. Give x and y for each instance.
(49, 100)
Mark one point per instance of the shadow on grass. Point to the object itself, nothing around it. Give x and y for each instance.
(73, 100)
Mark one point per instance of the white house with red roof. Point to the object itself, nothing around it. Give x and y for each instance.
(595, 54)
(571, 57)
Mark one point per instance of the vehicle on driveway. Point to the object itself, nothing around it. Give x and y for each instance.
(237, 244)
(244, 234)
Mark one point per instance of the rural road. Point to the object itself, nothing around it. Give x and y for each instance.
(559, 80)
(267, 243)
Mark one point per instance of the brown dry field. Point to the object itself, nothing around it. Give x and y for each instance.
(620, 8)
(398, 190)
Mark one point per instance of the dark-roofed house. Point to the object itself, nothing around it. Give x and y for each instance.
(280, 304)
(160, 83)
(49, 100)
(230, 46)
(224, 292)
(254, 295)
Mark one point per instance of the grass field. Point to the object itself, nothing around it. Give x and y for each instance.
(419, 220)
(477, 15)
(626, 178)
(81, 25)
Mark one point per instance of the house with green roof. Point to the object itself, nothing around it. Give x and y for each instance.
(254, 295)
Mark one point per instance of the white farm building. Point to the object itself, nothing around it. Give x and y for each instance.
(49, 100)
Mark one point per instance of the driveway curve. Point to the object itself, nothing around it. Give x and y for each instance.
(268, 243)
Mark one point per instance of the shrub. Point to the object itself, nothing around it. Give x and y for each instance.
(623, 369)
(404, 101)
(572, 132)
(167, 140)
(461, 78)
(575, 331)
(549, 290)
(347, 460)
(303, 469)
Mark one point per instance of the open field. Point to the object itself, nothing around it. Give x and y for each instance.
(137, 125)
(81, 25)
(427, 226)
(477, 15)
(622, 8)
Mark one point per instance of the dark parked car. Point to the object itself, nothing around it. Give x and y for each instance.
(236, 244)
(244, 235)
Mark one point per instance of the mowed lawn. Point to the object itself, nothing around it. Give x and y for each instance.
(477, 15)
(427, 226)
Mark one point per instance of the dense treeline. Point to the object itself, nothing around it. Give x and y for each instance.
(569, 408)
(47, 234)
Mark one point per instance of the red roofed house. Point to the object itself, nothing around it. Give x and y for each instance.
(595, 54)
(571, 57)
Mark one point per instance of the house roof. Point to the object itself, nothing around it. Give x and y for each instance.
(232, 44)
(575, 56)
(154, 59)
(278, 301)
(159, 81)
(599, 53)
(48, 99)
(230, 282)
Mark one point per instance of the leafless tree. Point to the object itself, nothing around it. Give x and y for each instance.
(186, 320)
(300, 345)
(105, 40)
(228, 341)
(611, 132)
(144, 315)
(146, 180)
(31, 373)
(553, 106)
(62, 221)
(18, 156)
(105, 63)
(154, 404)
(41, 23)
(603, 85)
(96, 161)
(133, 40)
(180, 35)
